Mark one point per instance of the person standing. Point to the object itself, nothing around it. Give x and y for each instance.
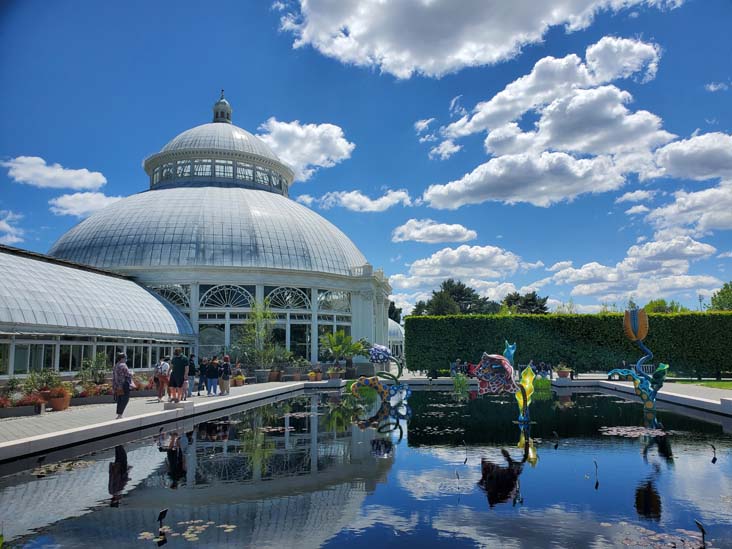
(179, 372)
(225, 375)
(202, 375)
(212, 376)
(191, 377)
(121, 383)
(162, 376)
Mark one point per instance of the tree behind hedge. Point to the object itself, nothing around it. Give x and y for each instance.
(693, 343)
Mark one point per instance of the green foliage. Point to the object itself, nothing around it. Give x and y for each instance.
(722, 299)
(395, 313)
(339, 345)
(255, 345)
(442, 303)
(460, 386)
(661, 306)
(469, 302)
(530, 303)
(692, 343)
(94, 370)
(40, 381)
(420, 308)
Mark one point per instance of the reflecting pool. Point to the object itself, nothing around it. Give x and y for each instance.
(327, 470)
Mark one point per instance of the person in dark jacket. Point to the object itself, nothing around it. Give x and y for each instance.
(212, 376)
(179, 373)
(225, 376)
(191, 378)
(202, 375)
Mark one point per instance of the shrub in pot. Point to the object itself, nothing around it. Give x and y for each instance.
(59, 398)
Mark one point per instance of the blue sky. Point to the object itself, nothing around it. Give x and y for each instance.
(531, 169)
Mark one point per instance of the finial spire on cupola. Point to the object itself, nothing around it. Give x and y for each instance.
(222, 110)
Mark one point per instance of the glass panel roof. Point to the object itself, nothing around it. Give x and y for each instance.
(226, 137)
(209, 226)
(42, 293)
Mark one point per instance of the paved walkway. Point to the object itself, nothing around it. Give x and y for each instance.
(81, 416)
(31, 434)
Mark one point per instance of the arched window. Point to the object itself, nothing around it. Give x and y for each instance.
(177, 294)
(227, 296)
(334, 300)
(288, 298)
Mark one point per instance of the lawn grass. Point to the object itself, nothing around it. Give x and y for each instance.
(724, 384)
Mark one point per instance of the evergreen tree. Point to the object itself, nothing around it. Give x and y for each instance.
(420, 308)
(467, 299)
(529, 303)
(395, 313)
(442, 303)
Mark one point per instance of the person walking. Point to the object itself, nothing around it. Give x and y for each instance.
(212, 376)
(225, 375)
(202, 375)
(121, 383)
(191, 377)
(178, 374)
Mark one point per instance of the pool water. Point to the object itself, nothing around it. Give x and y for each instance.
(307, 472)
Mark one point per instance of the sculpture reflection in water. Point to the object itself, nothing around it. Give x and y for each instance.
(393, 407)
(502, 482)
(646, 385)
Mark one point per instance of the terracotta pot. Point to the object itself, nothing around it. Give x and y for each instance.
(45, 395)
(318, 376)
(274, 376)
(335, 375)
(562, 373)
(59, 404)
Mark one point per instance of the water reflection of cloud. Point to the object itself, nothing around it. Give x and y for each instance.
(384, 516)
(701, 486)
(435, 483)
(552, 527)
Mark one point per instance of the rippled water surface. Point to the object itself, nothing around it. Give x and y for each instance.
(306, 473)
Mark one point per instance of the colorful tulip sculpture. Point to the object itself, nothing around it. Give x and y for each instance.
(646, 386)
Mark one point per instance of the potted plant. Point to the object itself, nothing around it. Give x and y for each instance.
(238, 379)
(275, 373)
(340, 346)
(59, 398)
(32, 400)
(316, 374)
(563, 370)
(335, 372)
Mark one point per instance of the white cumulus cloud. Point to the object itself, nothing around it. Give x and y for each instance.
(700, 157)
(637, 209)
(445, 150)
(33, 170)
(636, 196)
(306, 147)
(701, 211)
(541, 180)
(612, 58)
(81, 204)
(421, 126)
(10, 233)
(442, 36)
(716, 86)
(430, 231)
(356, 201)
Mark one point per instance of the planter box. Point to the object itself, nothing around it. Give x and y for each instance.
(20, 411)
(262, 375)
(562, 373)
(106, 399)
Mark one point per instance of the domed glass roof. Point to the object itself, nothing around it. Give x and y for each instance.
(396, 332)
(209, 226)
(223, 137)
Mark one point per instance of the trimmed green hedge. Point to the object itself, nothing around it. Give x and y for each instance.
(689, 342)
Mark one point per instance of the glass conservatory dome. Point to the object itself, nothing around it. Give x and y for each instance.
(209, 226)
(217, 198)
